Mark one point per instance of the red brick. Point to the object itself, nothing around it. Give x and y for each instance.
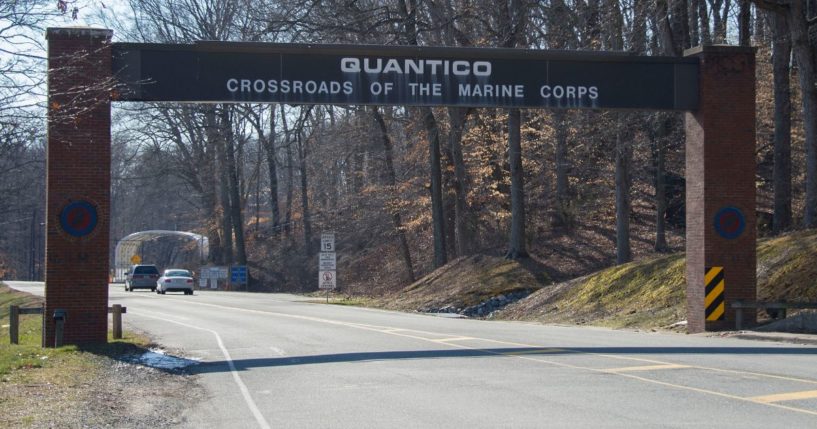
(78, 165)
(720, 172)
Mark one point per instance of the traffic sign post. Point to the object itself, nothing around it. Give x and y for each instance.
(327, 261)
(328, 242)
(327, 280)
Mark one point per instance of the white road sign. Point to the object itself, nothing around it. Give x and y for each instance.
(328, 242)
(327, 280)
(327, 261)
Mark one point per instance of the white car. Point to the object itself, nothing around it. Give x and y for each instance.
(175, 280)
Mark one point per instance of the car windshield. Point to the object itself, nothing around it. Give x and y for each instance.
(177, 273)
(146, 270)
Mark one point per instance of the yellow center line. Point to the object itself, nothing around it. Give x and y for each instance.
(791, 396)
(393, 331)
(646, 368)
(444, 340)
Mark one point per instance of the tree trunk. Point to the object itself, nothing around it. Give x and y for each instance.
(234, 192)
(679, 22)
(694, 27)
(761, 28)
(272, 168)
(781, 55)
(562, 162)
(623, 161)
(391, 180)
(225, 221)
(663, 127)
(437, 215)
(290, 175)
(464, 234)
(209, 198)
(516, 248)
(449, 201)
(667, 36)
(745, 23)
(807, 72)
(302, 154)
(703, 15)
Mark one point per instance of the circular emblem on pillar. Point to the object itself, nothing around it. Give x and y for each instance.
(730, 222)
(78, 218)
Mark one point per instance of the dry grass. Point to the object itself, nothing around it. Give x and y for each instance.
(465, 282)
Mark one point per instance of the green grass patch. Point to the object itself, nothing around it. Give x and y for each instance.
(652, 293)
(36, 382)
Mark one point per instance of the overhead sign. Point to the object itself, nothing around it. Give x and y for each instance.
(402, 75)
(328, 242)
(327, 261)
(327, 280)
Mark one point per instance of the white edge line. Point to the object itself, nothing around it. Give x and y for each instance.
(259, 418)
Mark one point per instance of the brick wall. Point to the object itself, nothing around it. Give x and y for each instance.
(78, 165)
(720, 173)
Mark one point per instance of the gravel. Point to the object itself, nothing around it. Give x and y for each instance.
(485, 309)
(117, 394)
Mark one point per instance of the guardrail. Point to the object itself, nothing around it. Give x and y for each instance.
(779, 308)
(59, 317)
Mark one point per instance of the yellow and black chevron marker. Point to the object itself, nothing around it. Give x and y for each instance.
(713, 300)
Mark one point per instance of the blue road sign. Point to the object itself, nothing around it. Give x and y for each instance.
(238, 274)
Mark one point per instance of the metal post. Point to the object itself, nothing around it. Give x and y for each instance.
(117, 322)
(14, 324)
(59, 326)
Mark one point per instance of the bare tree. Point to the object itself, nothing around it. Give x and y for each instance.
(781, 57)
(795, 13)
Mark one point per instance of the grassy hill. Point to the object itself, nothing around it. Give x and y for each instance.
(642, 294)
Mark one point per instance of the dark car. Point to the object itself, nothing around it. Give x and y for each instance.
(141, 277)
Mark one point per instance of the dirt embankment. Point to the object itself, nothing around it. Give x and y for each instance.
(468, 285)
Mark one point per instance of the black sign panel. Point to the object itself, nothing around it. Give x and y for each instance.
(408, 76)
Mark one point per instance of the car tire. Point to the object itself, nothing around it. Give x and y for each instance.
(164, 292)
(153, 289)
(127, 289)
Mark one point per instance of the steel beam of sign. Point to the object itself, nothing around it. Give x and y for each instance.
(409, 76)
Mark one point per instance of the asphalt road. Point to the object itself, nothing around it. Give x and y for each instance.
(281, 361)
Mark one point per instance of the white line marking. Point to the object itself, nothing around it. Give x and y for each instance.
(390, 331)
(241, 386)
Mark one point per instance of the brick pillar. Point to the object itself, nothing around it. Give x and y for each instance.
(720, 183)
(78, 192)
